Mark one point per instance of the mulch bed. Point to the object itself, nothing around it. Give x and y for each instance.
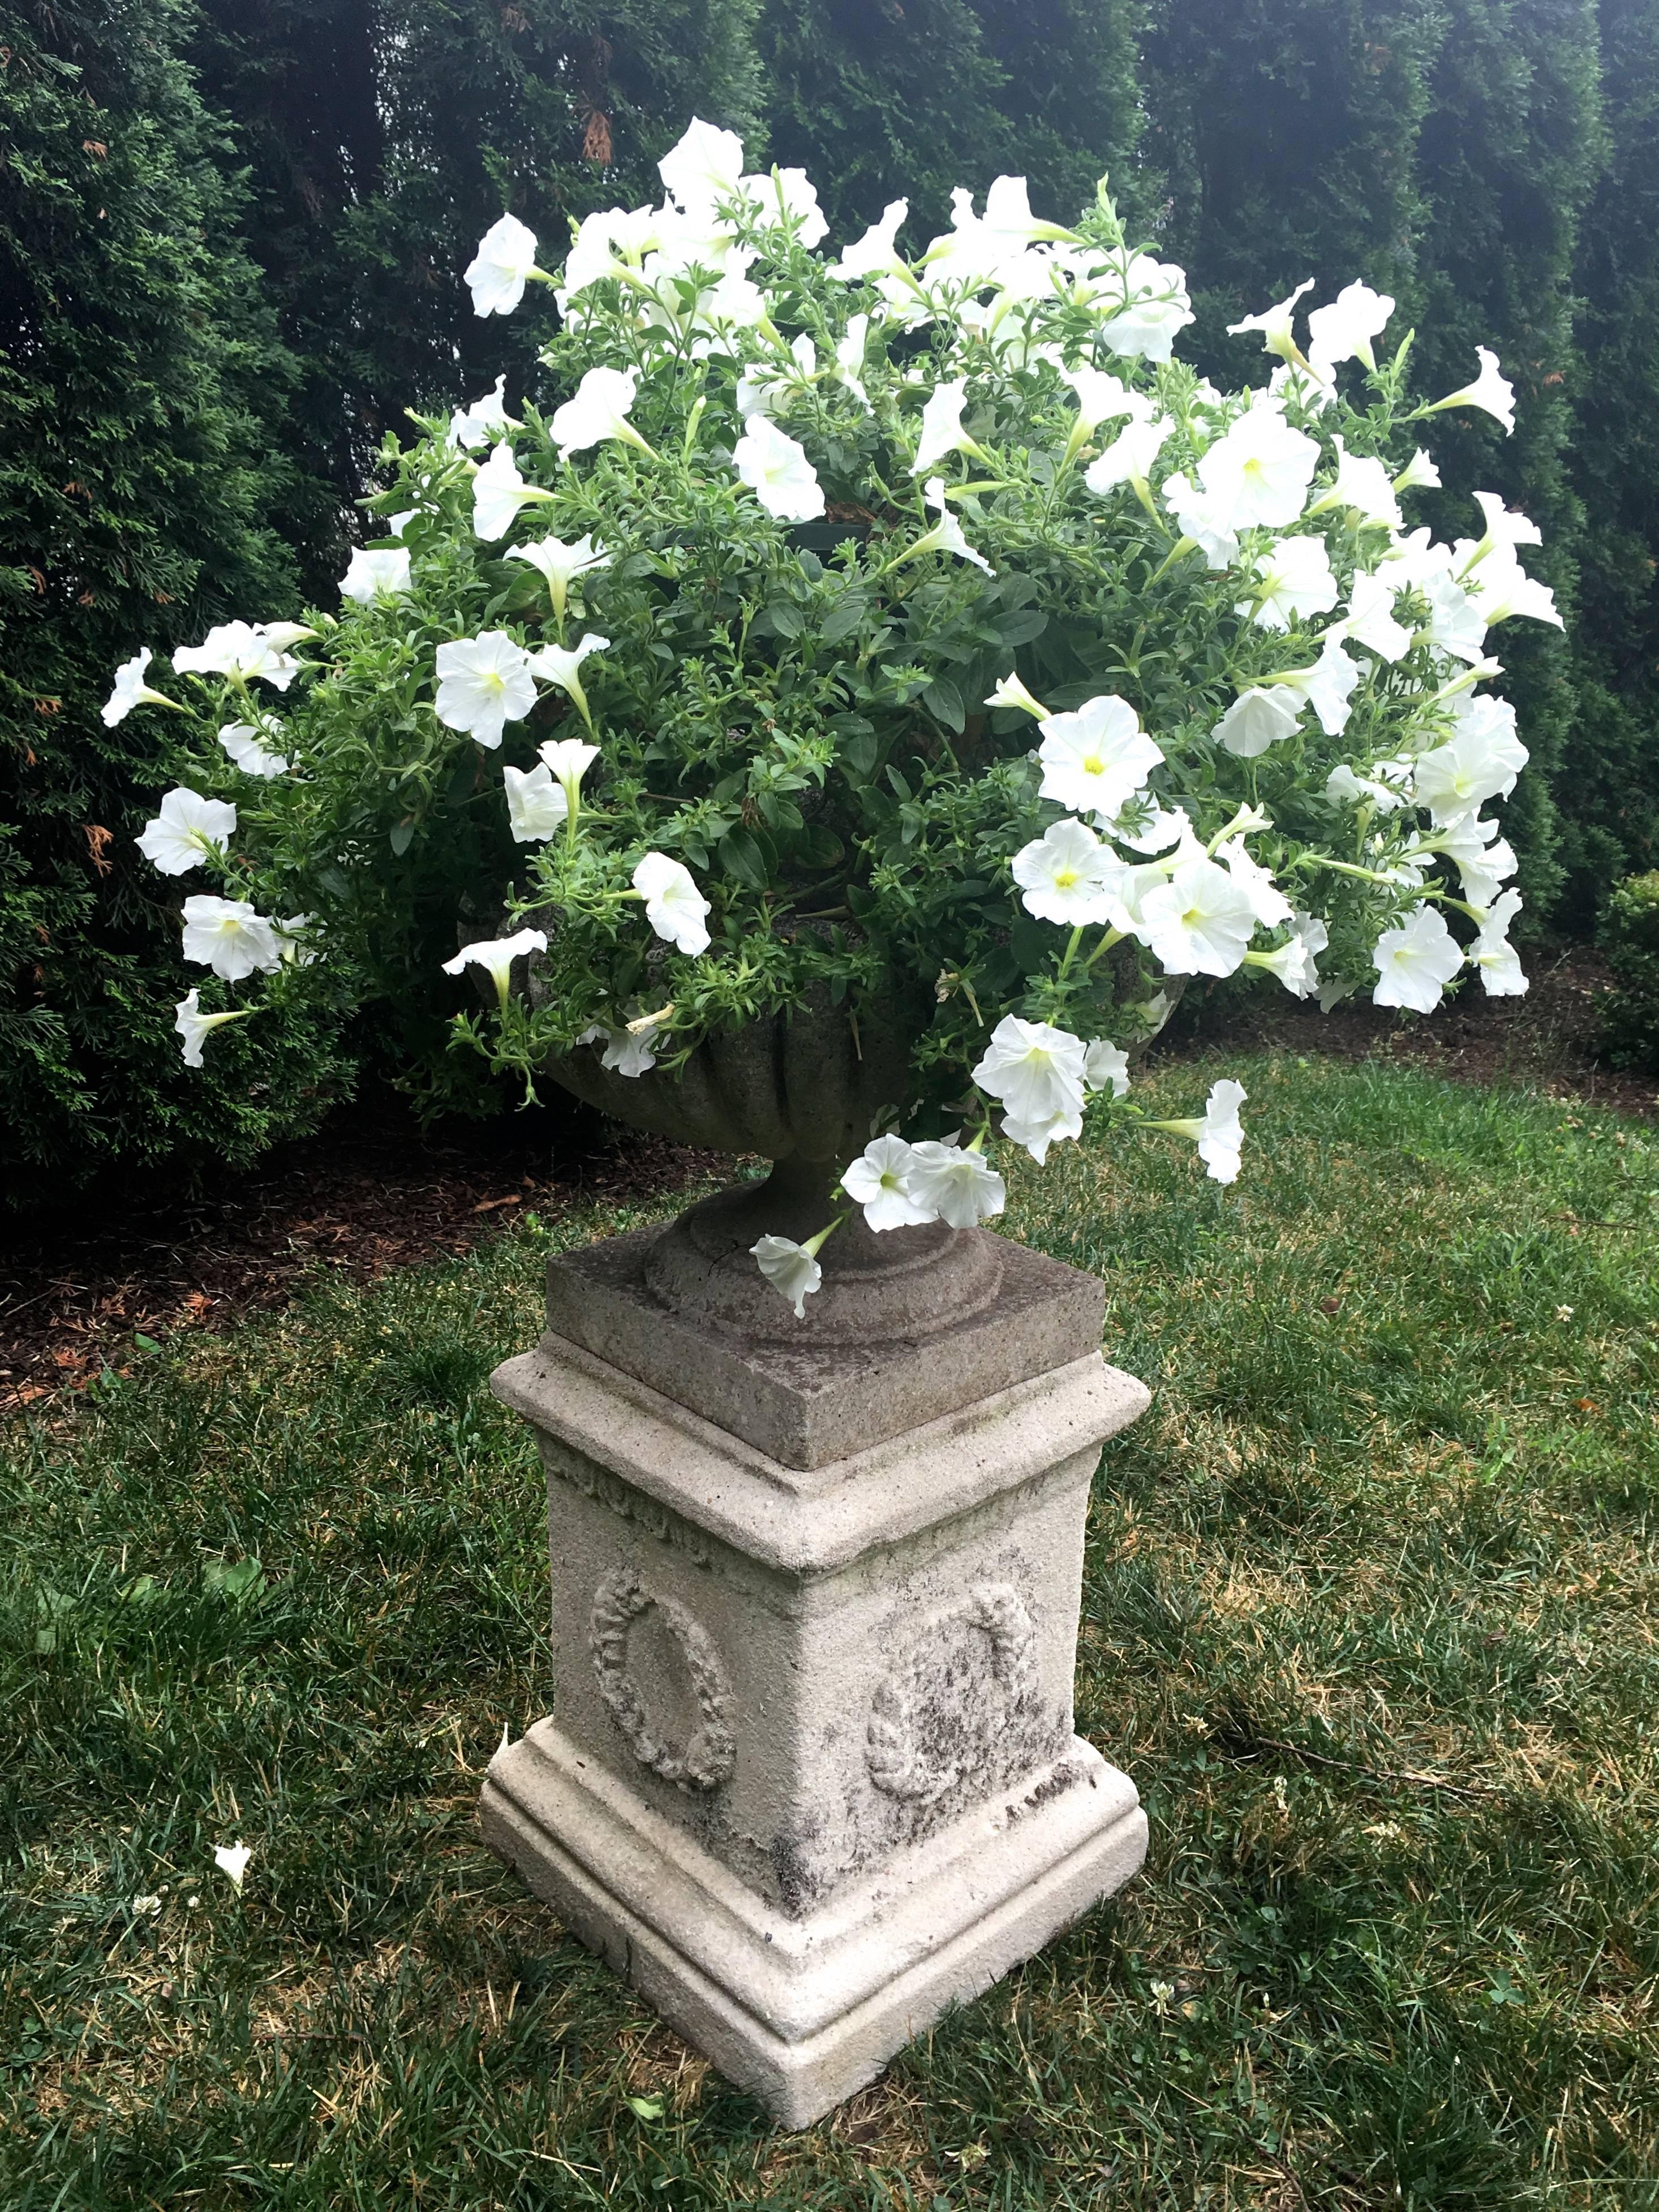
(372, 1192)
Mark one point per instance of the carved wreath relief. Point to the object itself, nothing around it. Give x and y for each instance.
(900, 1763)
(706, 1761)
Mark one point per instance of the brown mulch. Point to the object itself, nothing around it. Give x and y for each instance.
(372, 1192)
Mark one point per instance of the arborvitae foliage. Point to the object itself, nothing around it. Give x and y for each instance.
(135, 482)
(1614, 465)
(383, 141)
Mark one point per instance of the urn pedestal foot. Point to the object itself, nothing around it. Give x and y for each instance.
(812, 1778)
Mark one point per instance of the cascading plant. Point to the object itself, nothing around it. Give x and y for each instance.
(867, 622)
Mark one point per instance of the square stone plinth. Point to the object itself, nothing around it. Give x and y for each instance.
(812, 1776)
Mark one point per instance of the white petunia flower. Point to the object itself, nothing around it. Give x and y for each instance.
(791, 1269)
(194, 1027)
(567, 761)
(535, 807)
(598, 410)
(1343, 788)
(1501, 589)
(877, 1181)
(228, 936)
(1344, 330)
(1293, 578)
(483, 684)
(1199, 922)
(1484, 861)
(628, 1053)
(1370, 620)
(676, 909)
(244, 651)
(1267, 902)
(1106, 1067)
(1067, 875)
(776, 469)
(786, 199)
(941, 426)
(1363, 486)
(471, 426)
(1201, 518)
(374, 576)
(1034, 1069)
(503, 264)
(703, 167)
(1293, 962)
(232, 1859)
(558, 664)
(498, 492)
(875, 254)
(245, 745)
(850, 348)
(771, 395)
(1255, 720)
(1096, 757)
(1258, 472)
(1275, 324)
(1492, 953)
(1221, 1139)
(1504, 526)
(1420, 474)
(1491, 390)
(1128, 460)
(955, 1184)
(1035, 1137)
(561, 564)
(495, 956)
(1155, 310)
(186, 830)
(1415, 961)
(132, 690)
(1326, 686)
(1480, 760)
(1100, 398)
(1011, 692)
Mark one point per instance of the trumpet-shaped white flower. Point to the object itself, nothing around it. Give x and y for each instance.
(1344, 330)
(559, 664)
(786, 199)
(1327, 685)
(1494, 956)
(1484, 861)
(1415, 961)
(195, 1027)
(132, 690)
(1106, 1068)
(561, 564)
(245, 745)
(1501, 588)
(244, 651)
(1267, 903)
(503, 264)
(1293, 578)
(473, 426)
(498, 492)
(875, 254)
(1203, 520)
(1100, 398)
(483, 684)
(1504, 525)
(1370, 619)
(187, 829)
(1275, 324)
(376, 575)
(1067, 875)
(495, 955)
(627, 1051)
(791, 1269)
(1218, 1135)
(1036, 1136)
(676, 909)
(1293, 962)
(1155, 310)
(1256, 719)
(1480, 760)
(703, 167)
(599, 409)
(228, 936)
(232, 1859)
(1386, 793)
(567, 761)
(768, 395)
(941, 426)
(878, 1181)
(1012, 692)
(1420, 474)
(850, 348)
(776, 469)
(1491, 390)
(536, 806)
(1258, 472)
(955, 1184)
(1096, 757)
(1199, 922)
(1034, 1069)
(1128, 460)
(1363, 486)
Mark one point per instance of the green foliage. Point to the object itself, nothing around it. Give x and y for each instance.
(1367, 1616)
(1630, 938)
(136, 482)
(382, 142)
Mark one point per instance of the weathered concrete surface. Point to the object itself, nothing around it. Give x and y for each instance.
(813, 1775)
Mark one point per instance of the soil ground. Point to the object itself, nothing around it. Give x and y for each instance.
(371, 1191)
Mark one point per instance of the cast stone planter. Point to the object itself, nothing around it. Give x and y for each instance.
(812, 1777)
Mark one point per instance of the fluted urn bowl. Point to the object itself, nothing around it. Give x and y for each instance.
(805, 1090)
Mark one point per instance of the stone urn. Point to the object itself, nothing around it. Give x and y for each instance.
(812, 1775)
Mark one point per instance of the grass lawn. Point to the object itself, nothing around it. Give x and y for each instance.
(1370, 1616)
